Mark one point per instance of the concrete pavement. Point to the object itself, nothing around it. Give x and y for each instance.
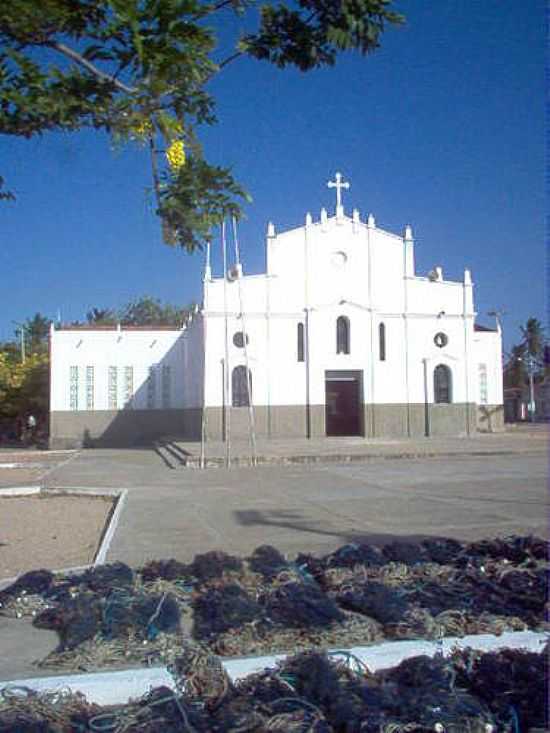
(176, 512)
(177, 453)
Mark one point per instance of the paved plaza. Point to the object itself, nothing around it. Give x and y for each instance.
(355, 490)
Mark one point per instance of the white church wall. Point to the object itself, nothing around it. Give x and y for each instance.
(192, 372)
(425, 296)
(253, 291)
(342, 256)
(387, 262)
(215, 355)
(488, 386)
(102, 349)
(386, 379)
(488, 351)
(421, 334)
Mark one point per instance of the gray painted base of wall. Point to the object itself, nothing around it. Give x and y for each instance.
(109, 428)
(379, 421)
(123, 428)
(490, 418)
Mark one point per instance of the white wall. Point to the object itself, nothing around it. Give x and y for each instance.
(332, 268)
(487, 348)
(103, 349)
(192, 341)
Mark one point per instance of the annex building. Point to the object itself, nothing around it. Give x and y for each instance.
(340, 336)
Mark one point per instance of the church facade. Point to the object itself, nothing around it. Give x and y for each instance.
(340, 336)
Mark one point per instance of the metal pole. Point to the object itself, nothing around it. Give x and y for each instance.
(203, 416)
(531, 396)
(531, 372)
(226, 344)
(22, 344)
(427, 429)
(251, 424)
(307, 334)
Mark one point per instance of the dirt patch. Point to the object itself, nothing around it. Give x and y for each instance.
(50, 532)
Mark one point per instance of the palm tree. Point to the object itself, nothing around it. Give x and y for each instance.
(533, 337)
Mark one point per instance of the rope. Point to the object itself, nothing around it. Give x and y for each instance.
(251, 425)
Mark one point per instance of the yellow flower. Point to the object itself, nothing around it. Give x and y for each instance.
(142, 129)
(176, 155)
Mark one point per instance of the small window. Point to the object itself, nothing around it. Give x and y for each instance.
(128, 386)
(443, 392)
(241, 386)
(300, 344)
(112, 388)
(239, 339)
(342, 335)
(382, 341)
(89, 388)
(483, 394)
(73, 387)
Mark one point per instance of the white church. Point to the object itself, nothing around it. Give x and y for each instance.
(339, 337)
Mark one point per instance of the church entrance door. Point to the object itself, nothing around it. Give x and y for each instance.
(343, 401)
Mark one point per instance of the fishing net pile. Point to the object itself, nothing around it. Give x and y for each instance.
(230, 606)
(313, 692)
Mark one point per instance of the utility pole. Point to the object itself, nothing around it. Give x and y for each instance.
(21, 332)
(531, 365)
(531, 368)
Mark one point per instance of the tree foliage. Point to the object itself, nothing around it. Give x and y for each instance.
(24, 387)
(532, 352)
(101, 317)
(533, 337)
(5, 195)
(37, 330)
(140, 69)
(150, 312)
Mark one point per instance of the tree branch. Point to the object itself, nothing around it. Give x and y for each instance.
(229, 59)
(77, 58)
(222, 4)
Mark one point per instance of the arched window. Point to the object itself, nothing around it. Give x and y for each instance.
(300, 344)
(443, 385)
(342, 335)
(382, 341)
(241, 387)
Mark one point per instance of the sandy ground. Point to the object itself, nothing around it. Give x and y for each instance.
(29, 467)
(49, 532)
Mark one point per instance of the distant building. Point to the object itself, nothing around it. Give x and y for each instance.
(339, 336)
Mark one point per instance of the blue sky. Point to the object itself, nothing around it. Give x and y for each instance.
(442, 128)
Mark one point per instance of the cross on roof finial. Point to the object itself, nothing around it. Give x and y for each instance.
(338, 185)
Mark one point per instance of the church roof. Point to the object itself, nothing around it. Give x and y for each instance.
(479, 327)
(115, 327)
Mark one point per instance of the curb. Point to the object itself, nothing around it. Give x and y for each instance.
(263, 460)
(116, 687)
